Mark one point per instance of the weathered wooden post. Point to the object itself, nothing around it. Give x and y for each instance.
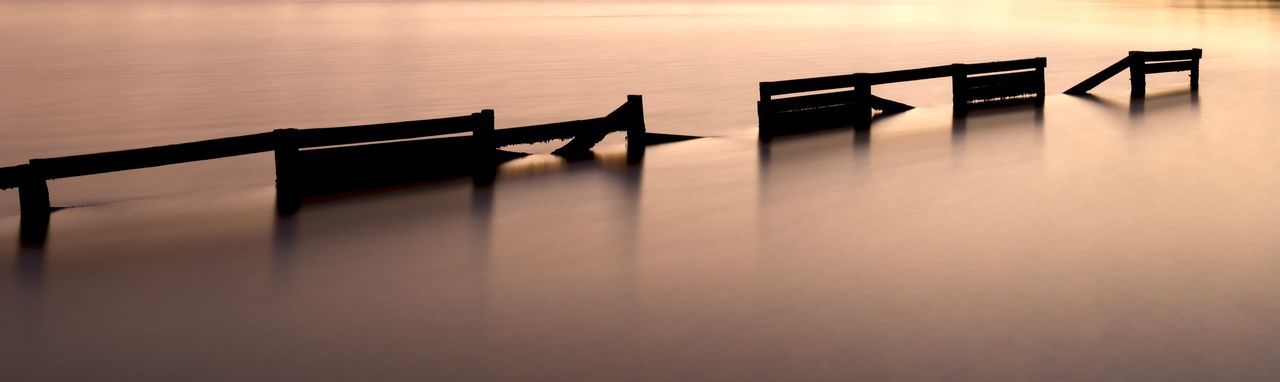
(959, 92)
(1195, 69)
(862, 111)
(763, 114)
(33, 199)
(288, 194)
(634, 118)
(1040, 93)
(33, 191)
(485, 168)
(1137, 74)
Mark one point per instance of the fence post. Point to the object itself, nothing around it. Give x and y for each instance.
(1137, 74)
(288, 194)
(762, 115)
(862, 111)
(485, 168)
(33, 191)
(634, 117)
(33, 198)
(1195, 69)
(959, 91)
(1040, 93)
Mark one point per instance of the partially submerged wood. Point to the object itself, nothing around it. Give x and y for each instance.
(814, 103)
(1142, 63)
(311, 161)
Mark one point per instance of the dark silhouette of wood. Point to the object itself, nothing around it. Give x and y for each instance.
(1097, 79)
(847, 99)
(314, 161)
(1140, 64)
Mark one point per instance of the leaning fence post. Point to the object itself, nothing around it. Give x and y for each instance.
(485, 167)
(288, 196)
(959, 92)
(1137, 74)
(1195, 69)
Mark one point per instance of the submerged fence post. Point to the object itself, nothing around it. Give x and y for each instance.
(959, 92)
(485, 167)
(1137, 74)
(763, 114)
(633, 117)
(288, 194)
(1040, 93)
(1195, 69)
(862, 111)
(33, 199)
(33, 190)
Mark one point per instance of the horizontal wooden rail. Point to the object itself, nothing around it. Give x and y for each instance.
(11, 177)
(547, 132)
(1170, 55)
(333, 136)
(910, 75)
(770, 89)
(90, 164)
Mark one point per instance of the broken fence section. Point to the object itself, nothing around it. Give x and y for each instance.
(322, 157)
(1140, 64)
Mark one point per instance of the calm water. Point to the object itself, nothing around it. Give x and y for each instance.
(1105, 240)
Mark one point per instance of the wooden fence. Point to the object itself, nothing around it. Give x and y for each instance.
(845, 99)
(301, 154)
(1140, 64)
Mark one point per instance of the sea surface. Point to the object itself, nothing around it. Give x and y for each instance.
(1101, 239)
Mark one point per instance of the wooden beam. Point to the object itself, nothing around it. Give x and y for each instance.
(333, 136)
(89, 164)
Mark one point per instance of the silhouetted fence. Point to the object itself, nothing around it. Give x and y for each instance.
(309, 157)
(1140, 64)
(847, 98)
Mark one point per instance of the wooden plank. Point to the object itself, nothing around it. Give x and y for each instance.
(1171, 66)
(1097, 79)
(811, 101)
(79, 165)
(334, 136)
(1171, 55)
(1001, 90)
(770, 89)
(1028, 78)
(910, 74)
(1005, 66)
(11, 177)
(549, 132)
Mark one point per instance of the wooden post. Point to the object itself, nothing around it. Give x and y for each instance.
(1195, 70)
(634, 118)
(1137, 74)
(1040, 93)
(959, 91)
(288, 194)
(33, 192)
(763, 113)
(485, 168)
(33, 198)
(862, 101)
